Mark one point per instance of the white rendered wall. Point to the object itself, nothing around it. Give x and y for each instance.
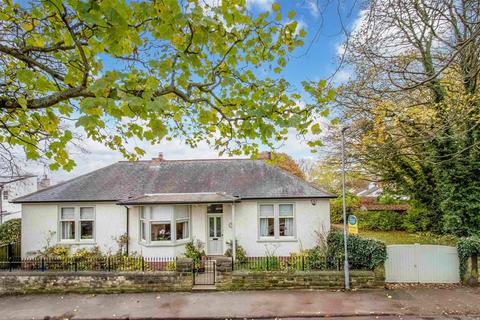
(308, 219)
(110, 223)
(40, 220)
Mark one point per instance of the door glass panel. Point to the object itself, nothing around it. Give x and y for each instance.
(219, 227)
(211, 227)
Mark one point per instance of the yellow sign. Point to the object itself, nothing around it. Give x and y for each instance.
(352, 224)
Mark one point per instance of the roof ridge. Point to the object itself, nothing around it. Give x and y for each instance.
(186, 160)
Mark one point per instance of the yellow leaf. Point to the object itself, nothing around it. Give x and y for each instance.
(275, 6)
(291, 14)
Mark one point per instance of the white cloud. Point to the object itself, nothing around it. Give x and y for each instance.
(312, 6)
(260, 4)
(342, 76)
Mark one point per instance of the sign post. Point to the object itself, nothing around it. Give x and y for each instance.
(352, 224)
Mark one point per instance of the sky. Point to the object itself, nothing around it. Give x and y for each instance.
(317, 59)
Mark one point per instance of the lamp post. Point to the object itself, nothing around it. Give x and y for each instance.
(345, 267)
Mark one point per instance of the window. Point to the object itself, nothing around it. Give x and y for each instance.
(215, 208)
(267, 220)
(161, 231)
(285, 220)
(5, 194)
(164, 223)
(67, 222)
(86, 223)
(181, 222)
(77, 223)
(276, 220)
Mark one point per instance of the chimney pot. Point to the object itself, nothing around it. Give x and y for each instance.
(159, 157)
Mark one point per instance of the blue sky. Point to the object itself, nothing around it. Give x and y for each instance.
(316, 60)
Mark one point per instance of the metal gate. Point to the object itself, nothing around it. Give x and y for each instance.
(422, 264)
(204, 272)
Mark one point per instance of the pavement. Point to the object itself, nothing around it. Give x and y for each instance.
(403, 303)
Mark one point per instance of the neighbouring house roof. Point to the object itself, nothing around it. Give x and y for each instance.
(241, 178)
(374, 191)
(200, 197)
(384, 207)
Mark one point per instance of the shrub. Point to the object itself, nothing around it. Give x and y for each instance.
(195, 252)
(336, 207)
(380, 220)
(315, 259)
(362, 253)
(11, 231)
(467, 247)
(417, 218)
(240, 253)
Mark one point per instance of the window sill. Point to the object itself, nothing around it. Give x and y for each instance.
(75, 242)
(165, 244)
(277, 240)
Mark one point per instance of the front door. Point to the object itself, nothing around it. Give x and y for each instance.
(215, 235)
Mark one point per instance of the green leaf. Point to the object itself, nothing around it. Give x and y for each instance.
(276, 7)
(291, 14)
(316, 128)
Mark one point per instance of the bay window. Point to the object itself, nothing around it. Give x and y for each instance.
(164, 224)
(76, 223)
(276, 221)
(181, 222)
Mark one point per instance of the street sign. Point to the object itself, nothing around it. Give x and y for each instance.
(352, 224)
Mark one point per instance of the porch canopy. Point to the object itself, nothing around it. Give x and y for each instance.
(180, 198)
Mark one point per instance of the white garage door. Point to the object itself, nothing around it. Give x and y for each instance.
(422, 264)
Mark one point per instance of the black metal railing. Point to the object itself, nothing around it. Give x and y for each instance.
(9, 250)
(285, 263)
(74, 264)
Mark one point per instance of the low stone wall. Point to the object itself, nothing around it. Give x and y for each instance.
(180, 280)
(92, 282)
(264, 280)
(23, 282)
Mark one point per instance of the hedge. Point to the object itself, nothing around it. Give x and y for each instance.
(466, 248)
(363, 254)
(10, 231)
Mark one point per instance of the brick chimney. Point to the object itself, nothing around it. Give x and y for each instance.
(267, 155)
(43, 183)
(159, 157)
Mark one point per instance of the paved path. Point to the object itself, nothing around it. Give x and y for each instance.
(386, 304)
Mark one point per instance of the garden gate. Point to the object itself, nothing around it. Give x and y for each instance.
(422, 264)
(204, 273)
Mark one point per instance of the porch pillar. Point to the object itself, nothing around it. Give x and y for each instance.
(234, 242)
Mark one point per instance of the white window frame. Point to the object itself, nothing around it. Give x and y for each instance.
(80, 220)
(260, 217)
(77, 224)
(182, 220)
(147, 219)
(276, 222)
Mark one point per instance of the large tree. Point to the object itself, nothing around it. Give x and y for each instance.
(414, 104)
(114, 70)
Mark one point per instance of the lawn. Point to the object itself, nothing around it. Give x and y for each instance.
(403, 237)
